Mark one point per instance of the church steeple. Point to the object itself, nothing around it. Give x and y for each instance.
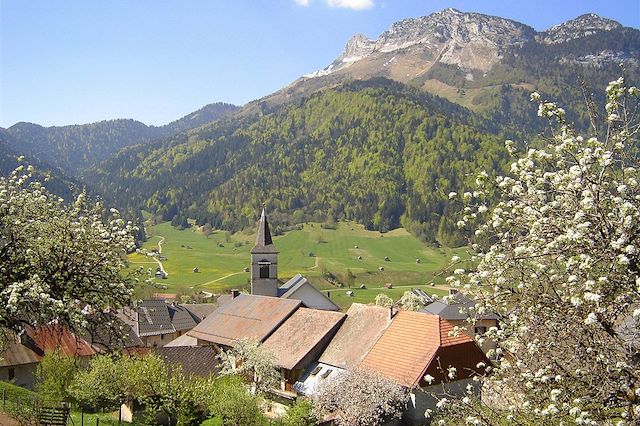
(264, 243)
(264, 261)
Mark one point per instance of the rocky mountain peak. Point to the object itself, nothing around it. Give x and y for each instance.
(357, 47)
(470, 40)
(582, 26)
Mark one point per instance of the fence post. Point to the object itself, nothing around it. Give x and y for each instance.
(120, 416)
(97, 421)
(82, 417)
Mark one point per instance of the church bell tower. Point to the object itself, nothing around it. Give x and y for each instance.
(264, 262)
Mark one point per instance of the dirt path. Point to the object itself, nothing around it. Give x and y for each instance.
(316, 264)
(5, 420)
(217, 279)
(166, 274)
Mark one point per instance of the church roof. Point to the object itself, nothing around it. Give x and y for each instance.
(264, 243)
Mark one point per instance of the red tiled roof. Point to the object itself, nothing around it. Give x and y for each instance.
(52, 337)
(411, 344)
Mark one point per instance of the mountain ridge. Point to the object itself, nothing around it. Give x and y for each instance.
(451, 32)
(76, 147)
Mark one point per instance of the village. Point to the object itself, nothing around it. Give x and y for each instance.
(312, 342)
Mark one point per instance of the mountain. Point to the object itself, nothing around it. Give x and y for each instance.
(374, 151)
(204, 115)
(365, 138)
(469, 40)
(486, 63)
(77, 147)
(53, 179)
(379, 136)
(582, 26)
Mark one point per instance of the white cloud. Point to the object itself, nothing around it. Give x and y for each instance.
(351, 4)
(345, 4)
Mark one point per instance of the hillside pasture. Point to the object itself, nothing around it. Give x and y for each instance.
(313, 251)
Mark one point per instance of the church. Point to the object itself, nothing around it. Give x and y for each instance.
(264, 274)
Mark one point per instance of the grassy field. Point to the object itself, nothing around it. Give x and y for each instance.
(312, 251)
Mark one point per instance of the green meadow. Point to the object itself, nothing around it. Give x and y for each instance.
(313, 251)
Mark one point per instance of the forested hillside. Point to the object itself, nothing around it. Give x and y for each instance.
(77, 147)
(376, 151)
(53, 179)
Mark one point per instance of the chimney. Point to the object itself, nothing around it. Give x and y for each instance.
(452, 291)
(391, 313)
(235, 293)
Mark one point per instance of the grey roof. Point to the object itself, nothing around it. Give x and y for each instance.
(288, 290)
(294, 283)
(451, 310)
(264, 243)
(154, 318)
(108, 330)
(357, 335)
(181, 318)
(195, 361)
(17, 353)
(247, 316)
(201, 310)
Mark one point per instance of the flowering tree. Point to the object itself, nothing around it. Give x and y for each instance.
(411, 301)
(58, 262)
(255, 364)
(560, 267)
(360, 398)
(383, 300)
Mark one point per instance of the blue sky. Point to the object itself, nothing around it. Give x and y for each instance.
(71, 62)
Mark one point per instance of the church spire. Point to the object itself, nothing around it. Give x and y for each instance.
(264, 243)
(264, 261)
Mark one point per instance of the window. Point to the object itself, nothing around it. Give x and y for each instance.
(11, 373)
(264, 269)
(479, 330)
(162, 337)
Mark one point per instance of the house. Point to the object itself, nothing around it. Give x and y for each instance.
(200, 310)
(195, 361)
(457, 310)
(19, 360)
(157, 323)
(264, 274)
(363, 326)
(201, 361)
(405, 347)
(428, 349)
(107, 331)
(246, 317)
(300, 288)
(300, 340)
